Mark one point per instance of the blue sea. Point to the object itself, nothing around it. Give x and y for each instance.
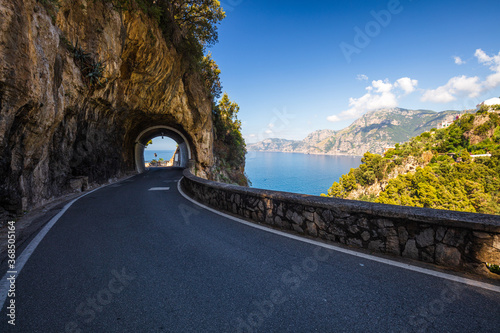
(149, 154)
(298, 173)
(288, 172)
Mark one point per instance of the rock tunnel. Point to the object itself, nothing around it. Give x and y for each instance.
(56, 130)
(186, 156)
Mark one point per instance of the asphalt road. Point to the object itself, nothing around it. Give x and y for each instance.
(128, 259)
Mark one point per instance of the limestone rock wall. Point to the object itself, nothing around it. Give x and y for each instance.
(463, 241)
(54, 129)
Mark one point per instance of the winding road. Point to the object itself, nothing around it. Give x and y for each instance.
(137, 256)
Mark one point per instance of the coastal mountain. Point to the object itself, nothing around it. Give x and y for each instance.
(453, 168)
(373, 132)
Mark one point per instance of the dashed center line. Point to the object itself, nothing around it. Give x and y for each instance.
(159, 189)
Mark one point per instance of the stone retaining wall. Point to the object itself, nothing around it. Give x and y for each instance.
(464, 241)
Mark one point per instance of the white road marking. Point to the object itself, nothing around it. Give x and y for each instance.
(159, 189)
(30, 248)
(441, 275)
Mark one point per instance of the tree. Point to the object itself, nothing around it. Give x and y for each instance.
(229, 144)
(346, 184)
(198, 19)
(210, 73)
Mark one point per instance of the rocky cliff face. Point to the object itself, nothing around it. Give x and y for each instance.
(372, 132)
(54, 128)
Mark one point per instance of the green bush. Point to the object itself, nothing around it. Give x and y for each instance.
(493, 268)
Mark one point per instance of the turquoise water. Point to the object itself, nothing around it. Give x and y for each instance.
(298, 173)
(150, 154)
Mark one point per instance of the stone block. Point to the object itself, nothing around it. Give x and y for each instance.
(279, 211)
(327, 216)
(454, 237)
(365, 236)
(308, 216)
(441, 231)
(425, 238)
(340, 214)
(375, 245)
(335, 230)
(447, 256)
(383, 223)
(363, 223)
(411, 250)
(319, 221)
(427, 254)
(297, 218)
(311, 229)
(403, 235)
(298, 229)
(353, 229)
(278, 221)
(255, 217)
(392, 242)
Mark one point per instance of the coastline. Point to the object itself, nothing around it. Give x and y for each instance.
(303, 153)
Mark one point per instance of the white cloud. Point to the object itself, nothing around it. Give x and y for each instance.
(459, 60)
(380, 94)
(456, 86)
(439, 95)
(406, 84)
(463, 86)
(493, 80)
(362, 77)
(381, 86)
(482, 57)
(333, 118)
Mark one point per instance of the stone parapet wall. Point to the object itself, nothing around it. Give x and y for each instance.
(458, 240)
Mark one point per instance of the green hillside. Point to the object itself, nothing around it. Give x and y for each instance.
(438, 169)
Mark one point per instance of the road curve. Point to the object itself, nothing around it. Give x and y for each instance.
(138, 257)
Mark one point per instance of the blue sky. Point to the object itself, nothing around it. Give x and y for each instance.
(297, 66)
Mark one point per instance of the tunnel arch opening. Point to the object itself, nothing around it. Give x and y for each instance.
(185, 152)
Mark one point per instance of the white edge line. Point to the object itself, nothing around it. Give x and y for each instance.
(441, 275)
(30, 248)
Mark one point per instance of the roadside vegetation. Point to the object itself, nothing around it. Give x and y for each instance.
(447, 173)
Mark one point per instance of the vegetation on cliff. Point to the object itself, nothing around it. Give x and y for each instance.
(229, 145)
(446, 171)
(192, 26)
